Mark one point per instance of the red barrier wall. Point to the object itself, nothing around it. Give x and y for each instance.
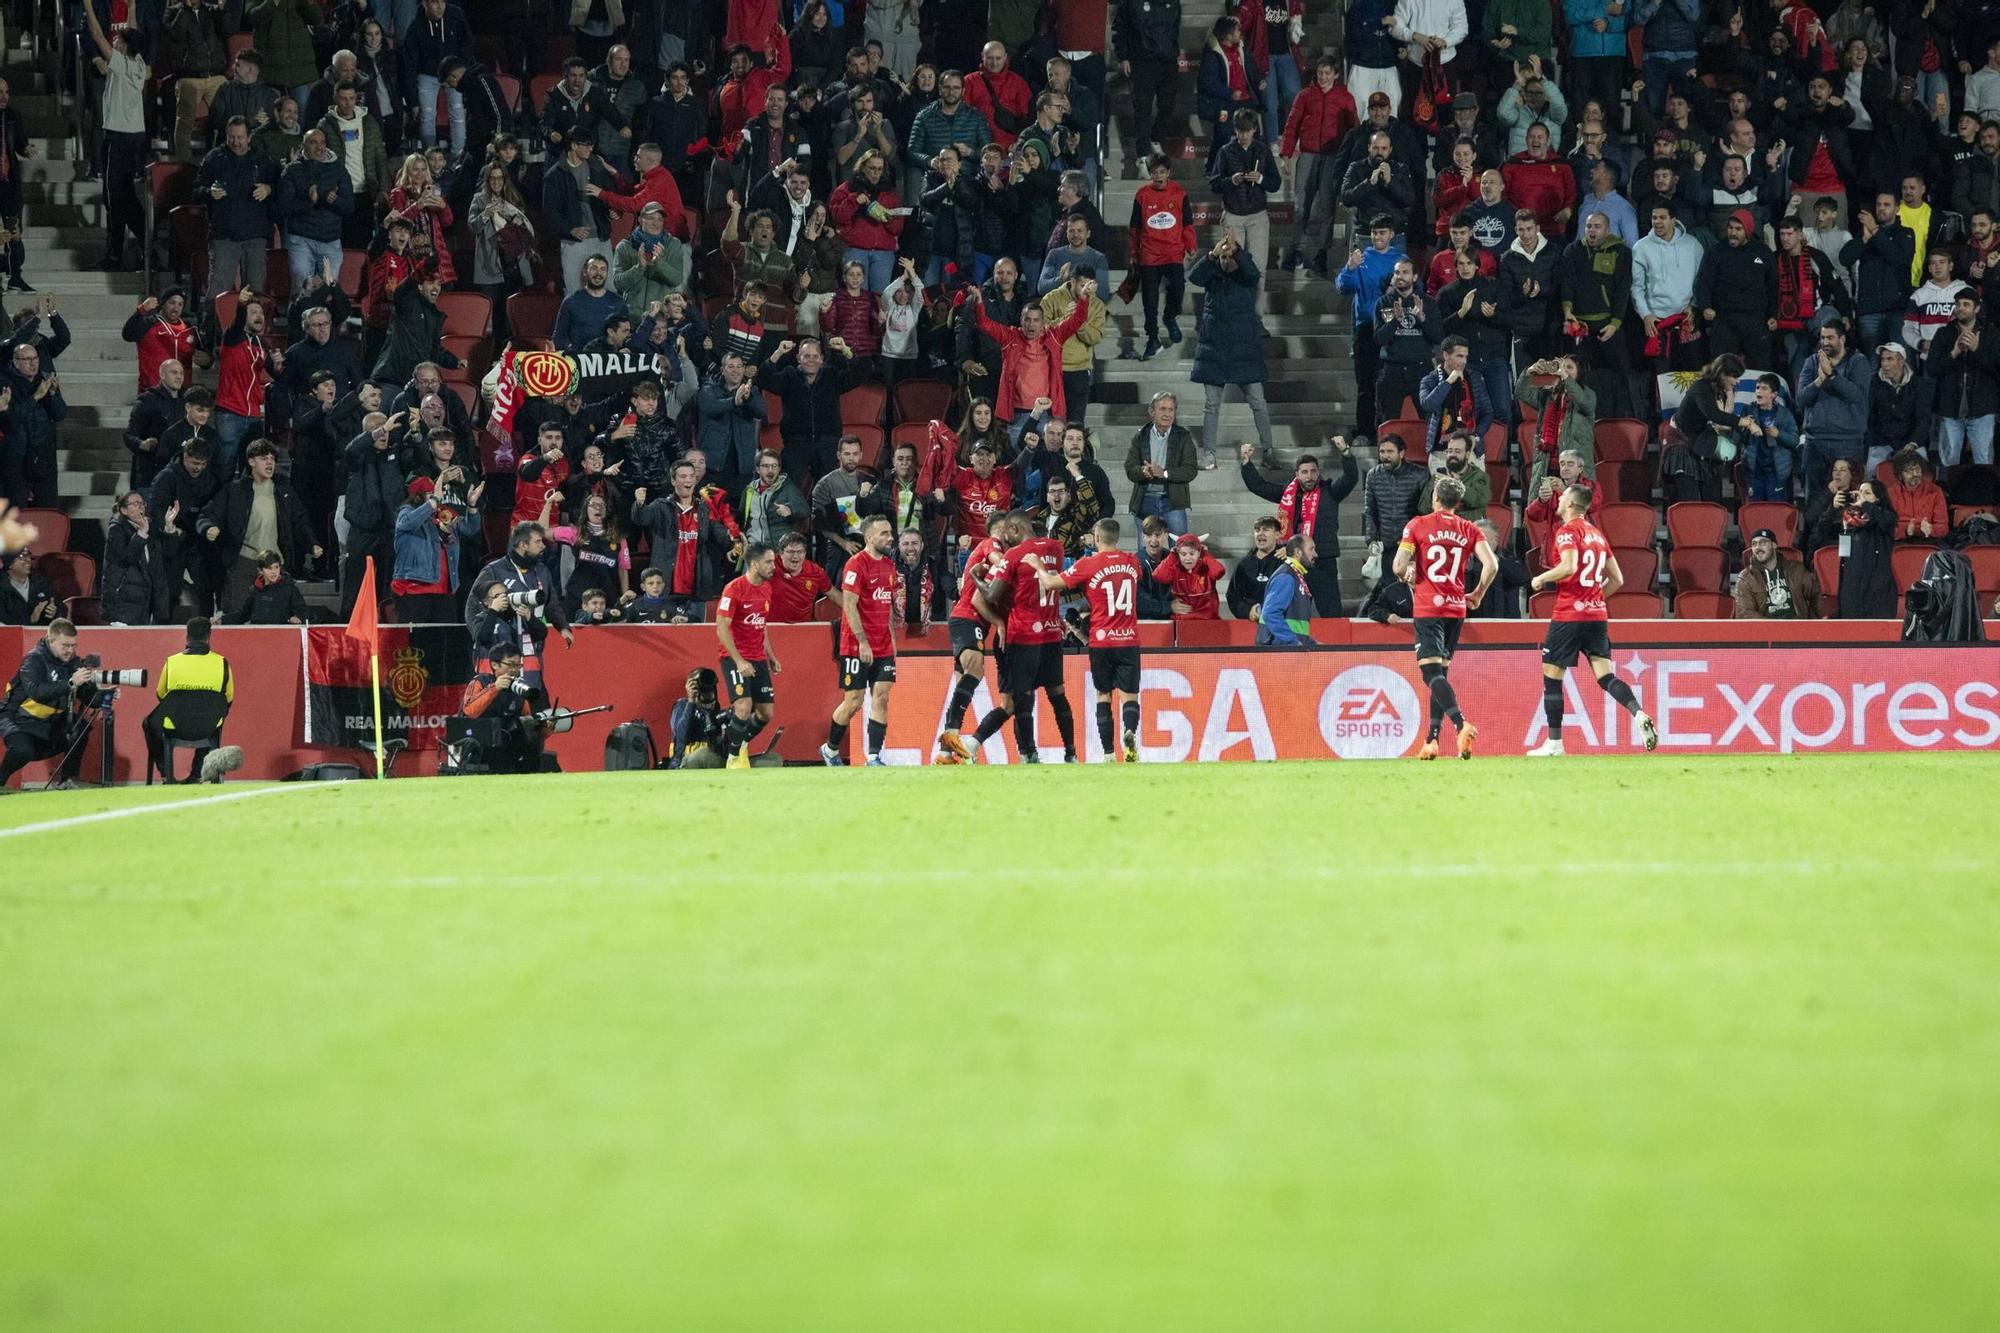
(1739, 685)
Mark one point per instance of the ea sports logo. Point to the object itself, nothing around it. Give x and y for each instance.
(1368, 712)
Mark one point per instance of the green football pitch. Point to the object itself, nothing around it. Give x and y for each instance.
(1660, 1043)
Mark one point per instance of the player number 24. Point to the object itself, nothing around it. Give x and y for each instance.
(1590, 569)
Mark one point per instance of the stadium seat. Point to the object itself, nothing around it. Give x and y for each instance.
(1495, 442)
(863, 405)
(693, 221)
(1610, 484)
(278, 276)
(1411, 429)
(1779, 517)
(466, 314)
(510, 91)
(1985, 564)
(774, 409)
(84, 610)
(53, 525)
(475, 353)
(1542, 605)
(353, 272)
(1697, 523)
(621, 227)
(1826, 568)
(1628, 524)
(468, 395)
(69, 574)
(918, 433)
(1499, 477)
(1906, 562)
(1621, 440)
(771, 438)
(1501, 516)
(172, 184)
(225, 310)
(712, 307)
(236, 45)
(1704, 606)
(872, 442)
(1640, 565)
(531, 316)
(187, 237)
(1636, 606)
(778, 316)
(923, 401)
(1962, 514)
(1697, 568)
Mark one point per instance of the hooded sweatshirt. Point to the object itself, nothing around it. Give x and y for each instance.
(1663, 273)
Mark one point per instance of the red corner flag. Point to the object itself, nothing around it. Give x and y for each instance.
(362, 625)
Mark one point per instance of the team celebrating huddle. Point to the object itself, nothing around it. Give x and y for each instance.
(1011, 608)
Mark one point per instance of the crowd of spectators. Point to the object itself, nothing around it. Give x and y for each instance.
(817, 262)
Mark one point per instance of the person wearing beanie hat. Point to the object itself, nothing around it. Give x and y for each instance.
(1899, 405)
(1736, 290)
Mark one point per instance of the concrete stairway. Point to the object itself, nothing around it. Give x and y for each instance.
(64, 231)
(1308, 353)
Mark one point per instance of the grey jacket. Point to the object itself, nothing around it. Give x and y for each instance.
(1389, 500)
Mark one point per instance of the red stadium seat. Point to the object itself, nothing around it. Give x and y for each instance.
(1636, 606)
(1411, 432)
(1962, 514)
(468, 395)
(187, 237)
(538, 90)
(923, 401)
(693, 221)
(1499, 477)
(774, 409)
(53, 527)
(1495, 441)
(510, 91)
(225, 309)
(918, 433)
(277, 276)
(466, 314)
(1697, 568)
(236, 45)
(1628, 524)
(1826, 568)
(1640, 565)
(863, 405)
(621, 227)
(1542, 605)
(1985, 565)
(69, 574)
(1906, 562)
(1622, 440)
(475, 353)
(771, 438)
(84, 610)
(172, 184)
(1779, 517)
(872, 442)
(1502, 519)
(353, 272)
(531, 316)
(1704, 606)
(1697, 523)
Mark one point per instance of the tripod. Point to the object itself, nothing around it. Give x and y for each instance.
(102, 708)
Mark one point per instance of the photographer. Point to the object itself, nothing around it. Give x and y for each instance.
(37, 719)
(507, 701)
(531, 588)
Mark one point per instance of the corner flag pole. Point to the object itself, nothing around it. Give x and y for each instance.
(375, 676)
(363, 627)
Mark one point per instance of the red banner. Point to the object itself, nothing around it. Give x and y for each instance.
(1363, 704)
(425, 669)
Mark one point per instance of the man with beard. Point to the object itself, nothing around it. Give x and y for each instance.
(1309, 507)
(152, 413)
(1737, 292)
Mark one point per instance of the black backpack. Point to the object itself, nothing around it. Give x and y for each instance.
(630, 746)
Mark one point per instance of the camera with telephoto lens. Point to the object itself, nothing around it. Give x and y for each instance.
(531, 600)
(134, 678)
(519, 686)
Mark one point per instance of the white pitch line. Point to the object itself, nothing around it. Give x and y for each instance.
(73, 821)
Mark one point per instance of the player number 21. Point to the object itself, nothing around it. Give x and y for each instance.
(1443, 564)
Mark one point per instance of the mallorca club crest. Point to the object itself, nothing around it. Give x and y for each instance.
(545, 374)
(408, 678)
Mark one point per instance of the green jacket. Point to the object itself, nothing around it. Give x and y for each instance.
(1531, 30)
(641, 281)
(283, 31)
(1478, 491)
(1579, 427)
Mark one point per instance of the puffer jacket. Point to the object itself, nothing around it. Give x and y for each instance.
(284, 38)
(1147, 29)
(1586, 43)
(1227, 347)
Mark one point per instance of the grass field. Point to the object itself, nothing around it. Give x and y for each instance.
(1597, 1044)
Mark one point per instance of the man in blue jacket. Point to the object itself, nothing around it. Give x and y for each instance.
(1285, 619)
(315, 195)
(237, 185)
(1833, 394)
(1364, 280)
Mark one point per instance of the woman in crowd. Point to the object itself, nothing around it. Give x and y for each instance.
(502, 242)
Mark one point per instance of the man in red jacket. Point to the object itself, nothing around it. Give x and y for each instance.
(1921, 513)
(741, 96)
(1322, 114)
(1160, 242)
(999, 94)
(162, 335)
(656, 185)
(1031, 360)
(1539, 181)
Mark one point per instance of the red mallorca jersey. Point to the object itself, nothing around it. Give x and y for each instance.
(1034, 615)
(793, 595)
(1581, 595)
(748, 606)
(872, 579)
(1110, 581)
(1442, 546)
(979, 567)
(981, 499)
